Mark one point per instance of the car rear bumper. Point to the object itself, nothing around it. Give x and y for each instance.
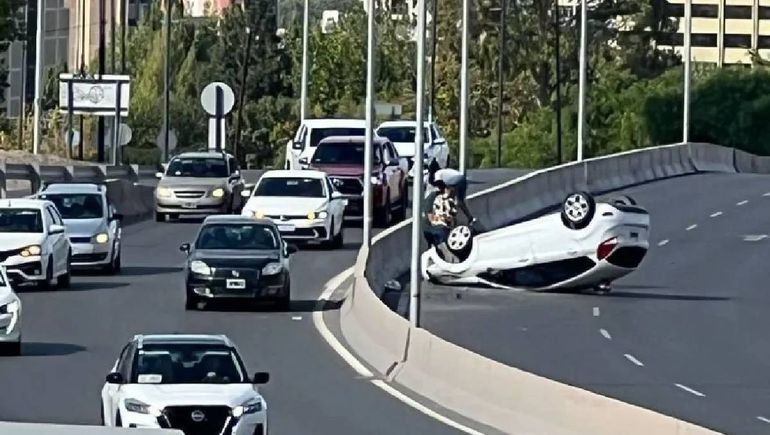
(91, 254)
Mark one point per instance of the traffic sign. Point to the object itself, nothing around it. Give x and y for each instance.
(171, 140)
(75, 138)
(125, 135)
(209, 98)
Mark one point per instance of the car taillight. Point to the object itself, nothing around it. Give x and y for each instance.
(605, 248)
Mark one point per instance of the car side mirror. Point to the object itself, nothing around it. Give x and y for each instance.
(246, 193)
(117, 216)
(56, 229)
(159, 175)
(337, 195)
(261, 378)
(291, 249)
(296, 145)
(185, 247)
(303, 161)
(114, 378)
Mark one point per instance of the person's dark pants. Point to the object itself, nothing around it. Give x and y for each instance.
(436, 234)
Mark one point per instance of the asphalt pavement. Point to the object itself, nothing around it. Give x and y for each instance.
(685, 335)
(72, 337)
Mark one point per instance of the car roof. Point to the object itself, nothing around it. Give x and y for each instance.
(334, 123)
(203, 154)
(403, 123)
(24, 203)
(212, 339)
(235, 219)
(73, 188)
(377, 140)
(291, 173)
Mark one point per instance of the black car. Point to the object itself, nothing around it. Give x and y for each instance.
(237, 257)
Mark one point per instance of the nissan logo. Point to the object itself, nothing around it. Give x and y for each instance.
(197, 416)
(235, 273)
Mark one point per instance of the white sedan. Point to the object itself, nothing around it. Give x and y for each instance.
(33, 242)
(586, 245)
(10, 317)
(303, 204)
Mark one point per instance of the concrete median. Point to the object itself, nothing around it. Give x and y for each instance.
(72, 429)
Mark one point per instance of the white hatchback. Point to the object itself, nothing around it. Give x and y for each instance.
(10, 317)
(34, 244)
(194, 383)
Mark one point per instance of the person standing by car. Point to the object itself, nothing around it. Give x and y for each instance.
(456, 181)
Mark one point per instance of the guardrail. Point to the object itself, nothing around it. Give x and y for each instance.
(472, 385)
(11, 428)
(36, 174)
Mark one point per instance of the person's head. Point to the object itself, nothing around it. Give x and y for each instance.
(440, 185)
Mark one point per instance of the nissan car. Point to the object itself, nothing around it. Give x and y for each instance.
(10, 317)
(194, 383)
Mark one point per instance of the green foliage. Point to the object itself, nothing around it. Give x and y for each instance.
(11, 20)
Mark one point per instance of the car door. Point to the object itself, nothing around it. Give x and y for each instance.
(111, 392)
(403, 162)
(58, 243)
(114, 226)
(442, 147)
(391, 173)
(336, 205)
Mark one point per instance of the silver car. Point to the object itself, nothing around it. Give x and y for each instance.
(92, 223)
(199, 183)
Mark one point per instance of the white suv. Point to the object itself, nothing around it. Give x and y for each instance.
(10, 317)
(401, 133)
(92, 223)
(312, 131)
(194, 383)
(33, 243)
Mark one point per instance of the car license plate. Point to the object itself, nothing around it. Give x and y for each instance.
(236, 284)
(188, 205)
(286, 228)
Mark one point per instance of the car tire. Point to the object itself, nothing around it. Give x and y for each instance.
(11, 349)
(190, 302)
(339, 238)
(460, 241)
(577, 210)
(624, 200)
(65, 280)
(385, 213)
(403, 204)
(47, 282)
(160, 217)
(284, 304)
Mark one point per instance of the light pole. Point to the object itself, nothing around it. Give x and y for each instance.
(501, 65)
(417, 187)
(687, 70)
(102, 67)
(166, 79)
(464, 87)
(582, 84)
(368, 148)
(242, 93)
(303, 89)
(433, 41)
(557, 32)
(38, 75)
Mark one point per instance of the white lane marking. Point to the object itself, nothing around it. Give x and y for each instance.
(596, 311)
(754, 237)
(633, 359)
(763, 419)
(719, 213)
(348, 357)
(662, 242)
(742, 202)
(690, 390)
(296, 317)
(605, 334)
(691, 227)
(766, 194)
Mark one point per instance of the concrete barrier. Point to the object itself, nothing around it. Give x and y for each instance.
(474, 386)
(72, 429)
(134, 201)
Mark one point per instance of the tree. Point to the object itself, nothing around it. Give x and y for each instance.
(11, 20)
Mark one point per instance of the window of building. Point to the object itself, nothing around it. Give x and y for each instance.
(705, 11)
(703, 40)
(675, 10)
(764, 12)
(763, 42)
(737, 41)
(672, 39)
(738, 12)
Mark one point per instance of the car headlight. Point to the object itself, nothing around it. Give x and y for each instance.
(249, 407)
(30, 251)
(163, 192)
(246, 193)
(257, 214)
(311, 216)
(200, 268)
(272, 269)
(322, 214)
(102, 238)
(218, 192)
(133, 405)
(9, 308)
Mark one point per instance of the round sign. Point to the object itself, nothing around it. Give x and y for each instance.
(171, 140)
(209, 98)
(125, 134)
(75, 138)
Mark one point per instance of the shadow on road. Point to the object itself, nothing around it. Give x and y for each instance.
(33, 348)
(147, 270)
(664, 296)
(297, 306)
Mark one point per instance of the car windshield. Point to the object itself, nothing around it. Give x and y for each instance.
(186, 364)
(77, 206)
(336, 153)
(197, 167)
(236, 236)
(402, 134)
(20, 220)
(304, 187)
(319, 134)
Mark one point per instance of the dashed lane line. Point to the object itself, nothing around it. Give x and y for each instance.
(605, 333)
(596, 312)
(663, 242)
(633, 359)
(715, 214)
(690, 390)
(742, 202)
(766, 194)
(691, 227)
(763, 419)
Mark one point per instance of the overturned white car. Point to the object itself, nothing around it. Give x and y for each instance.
(586, 245)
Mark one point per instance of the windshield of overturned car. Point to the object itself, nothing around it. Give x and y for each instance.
(197, 167)
(77, 206)
(237, 236)
(186, 364)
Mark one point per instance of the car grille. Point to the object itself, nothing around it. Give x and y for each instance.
(89, 258)
(319, 232)
(215, 419)
(281, 217)
(348, 185)
(5, 254)
(80, 240)
(189, 194)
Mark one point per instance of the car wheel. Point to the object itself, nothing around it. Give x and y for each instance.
(190, 302)
(285, 303)
(623, 200)
(160, 217)
(64, 281)
(339, 241)
(173, 216)
(46, 283)
(403, 201)
(578, 210)
(460, 241)
(11, 349)
(385, 213)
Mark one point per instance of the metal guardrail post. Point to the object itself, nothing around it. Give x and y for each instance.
(3, 185)
(35, 178)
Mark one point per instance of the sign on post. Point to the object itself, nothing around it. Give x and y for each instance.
(92, 96)
(160, 140)
(217, 100)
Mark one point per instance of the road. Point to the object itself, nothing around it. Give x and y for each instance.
(685, 335)
(72, 337)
